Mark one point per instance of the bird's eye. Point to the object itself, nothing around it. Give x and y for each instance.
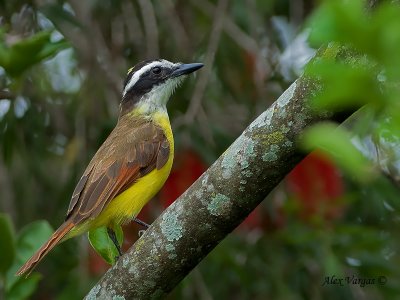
(156, 70)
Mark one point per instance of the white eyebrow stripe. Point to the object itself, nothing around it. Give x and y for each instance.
(134, 79)
(137, 75)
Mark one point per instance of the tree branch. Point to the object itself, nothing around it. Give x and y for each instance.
(4, 94)
(219, 200)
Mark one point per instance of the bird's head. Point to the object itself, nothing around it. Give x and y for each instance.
(150, 83)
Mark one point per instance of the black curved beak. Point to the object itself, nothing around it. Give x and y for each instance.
(185, 69)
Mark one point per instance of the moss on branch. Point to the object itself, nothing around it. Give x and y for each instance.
(219, 200)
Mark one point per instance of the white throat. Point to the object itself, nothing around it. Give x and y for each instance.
(157, 98)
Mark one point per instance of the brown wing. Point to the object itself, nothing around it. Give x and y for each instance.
(133, 149)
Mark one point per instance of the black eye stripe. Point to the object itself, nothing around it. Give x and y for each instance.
(150, 76)
(145, 82)
(144, 85)
(144, 75)
(137, 68)
(156, 70)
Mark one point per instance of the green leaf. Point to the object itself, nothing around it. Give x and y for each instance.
(341, 21)
(22, 55)
(103, 245)
(30, 238)
(386, 36)
(23, 288)
(348, 23)
(388, 129)
(7, 243)
(336, 142)
(346, 85)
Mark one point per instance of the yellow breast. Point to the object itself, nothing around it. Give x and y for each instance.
(129, 203)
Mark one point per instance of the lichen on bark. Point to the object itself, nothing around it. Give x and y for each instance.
(220, 199)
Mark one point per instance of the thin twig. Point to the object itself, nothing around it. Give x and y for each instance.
(95, 50)
(7, 194)
(201, 85)
(242, 39)
(6, 95)
(134, 29)
(107, 63)
(296, 11)
(235, 32)
(176, 26)
(204, 293)
(150, 28)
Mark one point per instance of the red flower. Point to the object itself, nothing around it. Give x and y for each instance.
(317, 185)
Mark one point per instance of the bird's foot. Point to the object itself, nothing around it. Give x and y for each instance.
(113, 238)
(140, 222)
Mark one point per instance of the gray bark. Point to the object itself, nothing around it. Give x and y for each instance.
(219, 200)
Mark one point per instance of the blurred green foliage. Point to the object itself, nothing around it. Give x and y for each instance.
(63, 65)
(23, 54)
(7, 243)
(370, 142)
(337, 142)
(15, 250)
(372, 77)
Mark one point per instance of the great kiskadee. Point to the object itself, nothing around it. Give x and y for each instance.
(134, 161)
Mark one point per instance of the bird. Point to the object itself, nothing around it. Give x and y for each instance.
(132, 164)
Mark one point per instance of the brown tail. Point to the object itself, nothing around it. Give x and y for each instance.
(53, 240)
